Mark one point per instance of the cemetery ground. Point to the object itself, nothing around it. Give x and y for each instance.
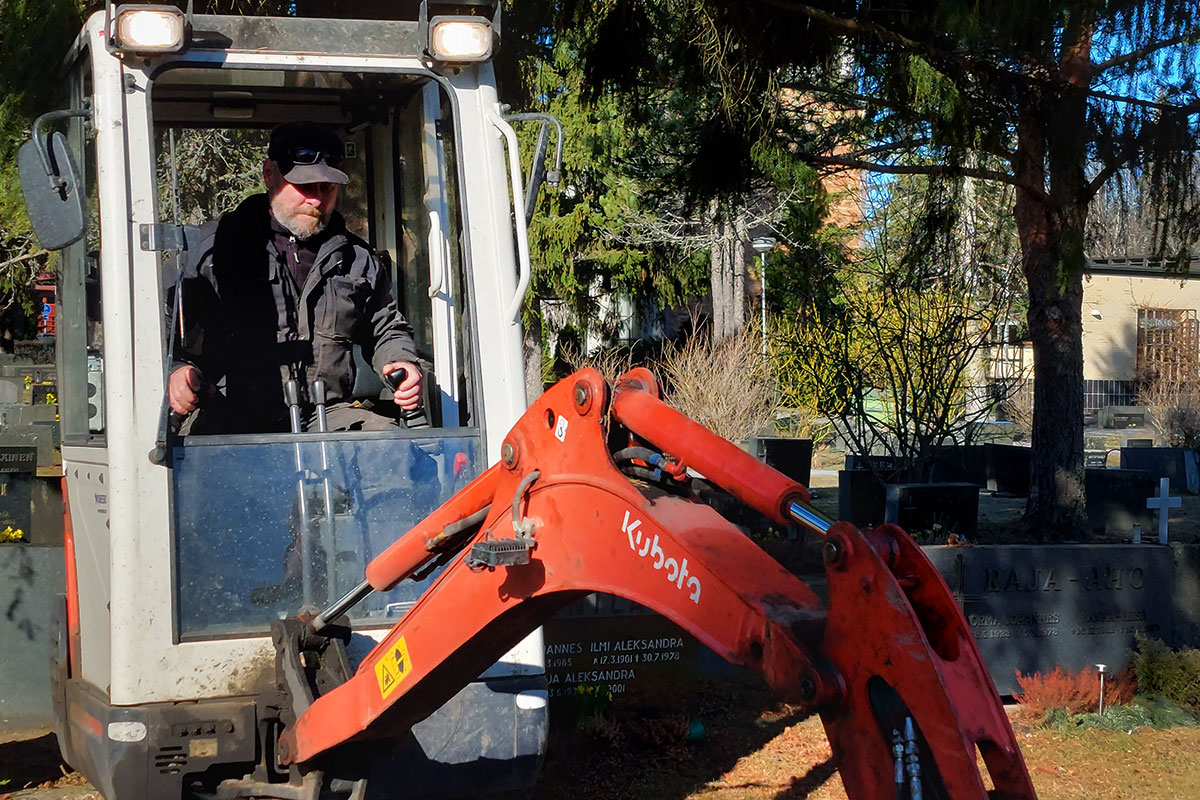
(754, 747)
(738, 742)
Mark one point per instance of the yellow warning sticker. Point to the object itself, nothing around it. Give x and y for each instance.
(393, 668)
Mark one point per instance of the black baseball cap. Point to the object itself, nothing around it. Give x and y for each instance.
(307, 152)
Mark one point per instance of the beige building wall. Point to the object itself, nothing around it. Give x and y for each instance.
(1110, 339)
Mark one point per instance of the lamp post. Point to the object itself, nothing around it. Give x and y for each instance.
(761, 245)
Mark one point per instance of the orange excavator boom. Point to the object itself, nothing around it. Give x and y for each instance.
(595, 492)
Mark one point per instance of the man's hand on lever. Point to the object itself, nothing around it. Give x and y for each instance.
(404, 379)
(186, 387)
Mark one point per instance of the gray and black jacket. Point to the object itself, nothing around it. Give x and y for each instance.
(249, 328)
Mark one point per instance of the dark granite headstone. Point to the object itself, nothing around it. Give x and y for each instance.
(960, 464)
(1033, 608)
(862, 497)
(17, 465)
(1116, 499)
(1095, 459)
(887, 466)
(933, 508)
(31, 581)
(609, 644)
(18, 459)
(1139, 443)
(792, 457)
(1176, 463)
(1008, 469)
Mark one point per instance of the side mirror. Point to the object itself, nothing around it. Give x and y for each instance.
(51, 185)
(537, 169)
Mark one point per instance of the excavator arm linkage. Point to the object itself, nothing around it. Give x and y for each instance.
(887, 659)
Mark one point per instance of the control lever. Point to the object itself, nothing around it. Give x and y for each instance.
(318, 397)
(291, 395)
(414, 418)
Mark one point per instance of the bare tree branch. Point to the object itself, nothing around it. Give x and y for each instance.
(25, 257)
(919, 169)
(1133, 56)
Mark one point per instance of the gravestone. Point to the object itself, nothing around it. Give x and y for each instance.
(1176, 463)
(1116, 499)
(960, 464)
(887, 466)
(17, 468)
(1008, 469)
(1135, 442)
(933, 508)
(611, 645)
(31, 581)
(792, 457)
(1033, 608)
(1095, 459)
(1123, 417)
(862, 497)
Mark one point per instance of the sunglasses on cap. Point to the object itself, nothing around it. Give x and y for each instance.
(307, 156)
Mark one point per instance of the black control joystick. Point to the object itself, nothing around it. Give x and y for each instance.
(414, 418)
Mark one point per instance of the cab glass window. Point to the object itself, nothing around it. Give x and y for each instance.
(268, 522)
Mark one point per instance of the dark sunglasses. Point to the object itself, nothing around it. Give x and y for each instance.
(307, 156)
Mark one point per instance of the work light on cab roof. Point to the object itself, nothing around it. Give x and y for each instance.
(149, 29)
(460, 38)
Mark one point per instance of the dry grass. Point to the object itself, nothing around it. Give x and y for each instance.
(724, 385)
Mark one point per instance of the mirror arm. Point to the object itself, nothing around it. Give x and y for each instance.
(57, 182)
(554, 175)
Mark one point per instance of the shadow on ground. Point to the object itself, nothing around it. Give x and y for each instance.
(27, 763)
(632, 760)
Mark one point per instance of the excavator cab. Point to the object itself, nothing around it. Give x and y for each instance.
(182, 548)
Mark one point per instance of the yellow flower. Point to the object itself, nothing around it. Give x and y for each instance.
(11, 534)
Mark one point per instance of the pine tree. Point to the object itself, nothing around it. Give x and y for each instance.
(1053, 98)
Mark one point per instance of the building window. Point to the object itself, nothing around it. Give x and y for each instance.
(1168, 345)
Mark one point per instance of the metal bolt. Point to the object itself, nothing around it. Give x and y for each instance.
(832, 552)
(583, 396)
(508, 454)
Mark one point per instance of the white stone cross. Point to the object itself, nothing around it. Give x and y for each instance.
(1162, 503)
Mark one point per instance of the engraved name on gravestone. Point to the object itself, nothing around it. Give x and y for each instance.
(1035, 608)
(612, 645)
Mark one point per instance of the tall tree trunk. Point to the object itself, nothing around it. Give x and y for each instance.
(739, 251)
(721, 283)
(531, 341)
(1051, 213)
(1056, 508)
(728, 277)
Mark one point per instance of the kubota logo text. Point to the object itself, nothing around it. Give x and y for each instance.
(648, 546)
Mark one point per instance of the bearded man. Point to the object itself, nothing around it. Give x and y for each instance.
(277, 290)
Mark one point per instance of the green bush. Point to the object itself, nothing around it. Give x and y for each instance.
(1141, 713)
(1163, 672)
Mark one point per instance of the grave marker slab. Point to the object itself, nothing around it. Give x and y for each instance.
(792, 457)
(646, 661)
(1008, 469)
(1032, 608)
(1176, 463)
(1116, 500)
(862, 497)
(936, 508)
(31, 579)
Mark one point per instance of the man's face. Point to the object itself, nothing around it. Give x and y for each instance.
(303, 209)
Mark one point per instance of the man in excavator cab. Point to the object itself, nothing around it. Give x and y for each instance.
(275, 295)
(187, 663)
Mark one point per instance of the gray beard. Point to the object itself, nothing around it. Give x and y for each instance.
(293, 227)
